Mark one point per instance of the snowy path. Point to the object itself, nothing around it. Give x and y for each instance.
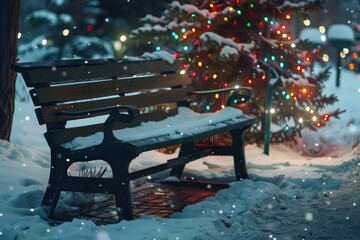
(327, 215)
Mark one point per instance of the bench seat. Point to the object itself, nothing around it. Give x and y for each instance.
(185, 126)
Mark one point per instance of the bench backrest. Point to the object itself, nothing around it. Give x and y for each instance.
(155, 86)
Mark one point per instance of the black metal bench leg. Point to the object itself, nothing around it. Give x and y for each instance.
(53, 189)
(185, 149)
(123, 201)
(121, 187)
(50, 198)
(239, 154)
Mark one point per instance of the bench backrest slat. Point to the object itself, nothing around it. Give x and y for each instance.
(73, 92)
(48, 114)
(51, 73)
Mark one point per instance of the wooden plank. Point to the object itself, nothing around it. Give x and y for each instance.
(24, 66)
(49, 74)
(48, 114)
(58, 94)
(66, 135)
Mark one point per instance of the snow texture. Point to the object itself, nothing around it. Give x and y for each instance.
(168, 57)
(311, 34)
(340, 32)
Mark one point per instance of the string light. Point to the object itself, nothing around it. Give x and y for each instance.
(123, 38)
(307, 22)
(351, 66)
(326, 117)
(89, 28)
(66, 32)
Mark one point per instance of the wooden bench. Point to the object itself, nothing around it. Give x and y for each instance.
(131, 93)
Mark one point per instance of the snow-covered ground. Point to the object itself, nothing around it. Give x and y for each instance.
(289, 196)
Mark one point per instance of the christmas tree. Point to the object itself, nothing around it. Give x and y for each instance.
(235, 43)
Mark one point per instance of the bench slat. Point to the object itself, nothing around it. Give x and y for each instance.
(47, 114)
(58, 94)
(66, 135)
(58, 73)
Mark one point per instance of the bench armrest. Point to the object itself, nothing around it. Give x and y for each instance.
(239, 95)
(132, 114)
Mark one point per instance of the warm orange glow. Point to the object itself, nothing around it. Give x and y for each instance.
(288, 16)
(263, 77)
(193, 30)
(355, 55)
(318, 124)
(217, 96)
(283, 27)
(250, 81)
(304, 90)
(326, 117)
(351, 66)
(222, 106)
(278, 32)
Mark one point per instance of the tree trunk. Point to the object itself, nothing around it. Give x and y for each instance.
(9, 28)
